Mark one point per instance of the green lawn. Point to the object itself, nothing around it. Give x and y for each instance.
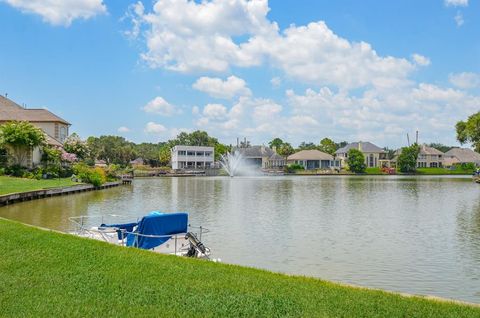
(373, 171)
(48, 274)
(442, 171)
(13, 185)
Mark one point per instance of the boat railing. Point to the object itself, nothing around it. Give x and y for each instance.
(88, 226)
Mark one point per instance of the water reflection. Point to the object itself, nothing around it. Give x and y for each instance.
(409, 234)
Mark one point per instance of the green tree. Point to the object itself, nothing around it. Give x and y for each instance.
(276, 143)
(286, 150)
(19, 138)
(327, 145)
(221, 149)
(112, 149)
(73, 144)
(164, 155)
(407, 160)
(307, 146)
(441, 147)
(196, 138)
(341, 144)
(149, 152)
(356, 161)
(469, 131)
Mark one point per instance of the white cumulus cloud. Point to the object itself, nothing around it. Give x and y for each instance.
(123, 129)
(154, 128)
(218, 88)
(60, 12)
(190, 36)
(160, 106)
(465, 80)
(215, 111)
(421, 60)
(456, 3)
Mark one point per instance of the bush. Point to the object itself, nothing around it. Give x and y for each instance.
(468, 166)
(294, 167)
(15, 171)
(95, 176)
(356, 161)
(407, 160)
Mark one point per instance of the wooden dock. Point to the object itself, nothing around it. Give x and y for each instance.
(126, 178)
(45, 193)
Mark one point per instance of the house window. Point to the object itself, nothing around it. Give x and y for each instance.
(190, 153)
(372, 163)
(182, 153)
(63, 133)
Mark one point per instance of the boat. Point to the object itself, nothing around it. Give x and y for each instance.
(166, 233)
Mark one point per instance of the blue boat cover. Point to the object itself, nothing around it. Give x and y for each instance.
(157, 223)
(124, 226)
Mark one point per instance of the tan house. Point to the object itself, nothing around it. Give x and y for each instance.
(461, 156)
(55, 128)
(374, 155)
(429, 157)
(314, 159)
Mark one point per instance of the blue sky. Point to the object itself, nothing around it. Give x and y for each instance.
(300, 70)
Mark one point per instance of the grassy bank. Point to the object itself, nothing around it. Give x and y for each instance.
(13, 185)
(45, 273)
(443, 171)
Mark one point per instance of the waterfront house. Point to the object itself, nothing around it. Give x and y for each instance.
(192, 157)
(55, 128)
(261, 157)
(461, 156)
(429, 157)
(314, 159)
(374, 155)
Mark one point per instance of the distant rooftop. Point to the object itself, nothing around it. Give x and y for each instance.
(427, 150)
(463, 155)
(363, 146)
(255, 151)
(310, 155)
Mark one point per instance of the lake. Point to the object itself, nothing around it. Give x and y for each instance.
(419, 235)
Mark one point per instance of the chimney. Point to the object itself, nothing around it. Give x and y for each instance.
(360, 145)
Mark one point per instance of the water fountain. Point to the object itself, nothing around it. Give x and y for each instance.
(236, 165)
(232, 163)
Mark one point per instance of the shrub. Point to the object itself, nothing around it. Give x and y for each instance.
(468, 166)
(15, 170)
(294, 167)
(407, 160)
(356, 161)
(95, 176)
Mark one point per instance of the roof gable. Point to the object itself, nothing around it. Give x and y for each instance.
(310, 155)
(463, 154)
(10, 111)
(363, 146)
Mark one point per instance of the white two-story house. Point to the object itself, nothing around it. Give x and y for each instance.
(55, 128)
(192, 157)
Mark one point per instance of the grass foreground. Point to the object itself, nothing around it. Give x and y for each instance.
(49, 274)
(13, 185)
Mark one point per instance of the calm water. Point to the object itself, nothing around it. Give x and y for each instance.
(411, 234)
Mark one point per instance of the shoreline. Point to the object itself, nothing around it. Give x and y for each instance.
(12, 198)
